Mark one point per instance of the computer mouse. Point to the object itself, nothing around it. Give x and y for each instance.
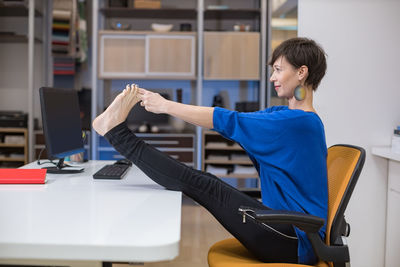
(124, 162)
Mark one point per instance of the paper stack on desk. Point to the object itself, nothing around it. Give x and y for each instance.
(23, 176)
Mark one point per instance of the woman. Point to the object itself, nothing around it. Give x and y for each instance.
(286, 144)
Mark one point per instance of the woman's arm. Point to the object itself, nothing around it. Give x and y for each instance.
(200, 116)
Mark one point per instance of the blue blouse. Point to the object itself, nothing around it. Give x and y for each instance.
(288, 149)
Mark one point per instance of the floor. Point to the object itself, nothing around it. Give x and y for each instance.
(198, 232)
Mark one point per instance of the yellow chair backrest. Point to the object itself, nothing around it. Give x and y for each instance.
(341, 163)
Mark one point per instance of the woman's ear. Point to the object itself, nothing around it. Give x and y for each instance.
(303, 72)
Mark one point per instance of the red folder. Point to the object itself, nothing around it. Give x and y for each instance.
(22, 176)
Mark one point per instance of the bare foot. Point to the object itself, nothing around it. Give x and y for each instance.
(117, 112)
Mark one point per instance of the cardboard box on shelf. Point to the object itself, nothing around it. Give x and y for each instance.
(155, 4)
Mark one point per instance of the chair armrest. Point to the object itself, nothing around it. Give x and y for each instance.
(338, 254)
(305, 222)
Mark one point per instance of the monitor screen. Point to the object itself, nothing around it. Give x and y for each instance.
(61, 122)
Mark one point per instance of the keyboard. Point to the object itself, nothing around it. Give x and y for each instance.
(112, 171)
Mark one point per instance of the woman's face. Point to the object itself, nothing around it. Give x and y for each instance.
(285, 78)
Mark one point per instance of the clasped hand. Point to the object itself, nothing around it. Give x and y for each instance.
(152, 102)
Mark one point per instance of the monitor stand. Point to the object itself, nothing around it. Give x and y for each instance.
(62, 168)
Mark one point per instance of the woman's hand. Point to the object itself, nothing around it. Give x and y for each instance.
(153, 102)
(200, 116)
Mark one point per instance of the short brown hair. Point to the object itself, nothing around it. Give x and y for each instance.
(303, 51)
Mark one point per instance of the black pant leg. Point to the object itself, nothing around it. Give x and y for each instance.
(219, 198)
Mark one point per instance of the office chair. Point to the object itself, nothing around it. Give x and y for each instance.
(344, 164)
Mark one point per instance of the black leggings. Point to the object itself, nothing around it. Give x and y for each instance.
(219, 198)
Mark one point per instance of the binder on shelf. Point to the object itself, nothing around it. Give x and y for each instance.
(62, 14)
(23, 176)
(63, 66)
(64, 28)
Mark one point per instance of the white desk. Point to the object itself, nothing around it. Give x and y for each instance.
(392, 256)
(74, 217)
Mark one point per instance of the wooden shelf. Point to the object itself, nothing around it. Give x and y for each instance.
(233, 148)
(162, 13)
(231, 13)
(11, 145)
(13, 38)
(227, 149)
(239, 176)
(229, 162)
(131, 32)
(231, 79)
(211, 133)
(12, 130)
(130, 77)
(17, 11)
(12, 159)
(9, 149)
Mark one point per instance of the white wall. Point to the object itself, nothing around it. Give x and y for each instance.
(359, 101)
(14, 77)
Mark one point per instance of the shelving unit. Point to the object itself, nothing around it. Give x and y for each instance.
(34, 34)
(178, 146)
(141, 54)
(233, 56)
(205, 21)
(283, 26)
(13, 154)
(128, 12)
(220, 152)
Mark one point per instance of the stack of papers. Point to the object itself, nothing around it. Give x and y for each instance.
(216, 170)
(14, 139)
(239, 169)
(217, 144)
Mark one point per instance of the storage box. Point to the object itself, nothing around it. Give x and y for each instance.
(147, 4)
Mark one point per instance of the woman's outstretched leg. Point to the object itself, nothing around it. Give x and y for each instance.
(219, 198)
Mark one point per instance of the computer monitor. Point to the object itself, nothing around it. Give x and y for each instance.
(85, 106)
(61, 125)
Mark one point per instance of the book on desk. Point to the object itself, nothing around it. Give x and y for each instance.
(23, 176)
